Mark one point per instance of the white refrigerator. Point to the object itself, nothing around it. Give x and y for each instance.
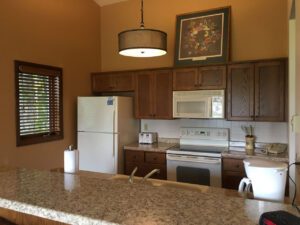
(104, 126)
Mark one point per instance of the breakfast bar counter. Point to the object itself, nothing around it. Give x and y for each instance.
(87, 198)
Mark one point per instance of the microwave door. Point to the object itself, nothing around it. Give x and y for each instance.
(192, 108)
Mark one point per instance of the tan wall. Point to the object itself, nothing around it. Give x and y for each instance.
(62, 33)
(259, 28)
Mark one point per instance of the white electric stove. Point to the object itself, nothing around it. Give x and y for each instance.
(198, 158)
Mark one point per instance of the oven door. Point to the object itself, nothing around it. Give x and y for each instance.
(194, 169)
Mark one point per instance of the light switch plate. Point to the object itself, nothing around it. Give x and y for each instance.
(296, 124)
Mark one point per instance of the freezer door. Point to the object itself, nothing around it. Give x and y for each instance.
(96, 114)
(97, 152)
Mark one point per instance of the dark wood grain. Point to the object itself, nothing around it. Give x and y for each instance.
(212, 77)
(240, 92)
(112, 82)
(270, 91)
(151, 161)
(143, 95)
(162, 94)
(185, 79)
(232, 173)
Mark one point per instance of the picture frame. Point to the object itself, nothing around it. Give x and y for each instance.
(202, 38)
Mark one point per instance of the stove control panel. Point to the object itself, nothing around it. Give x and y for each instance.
(204, 133)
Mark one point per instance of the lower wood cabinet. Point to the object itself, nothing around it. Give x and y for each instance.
(232, 173)
(146, 162)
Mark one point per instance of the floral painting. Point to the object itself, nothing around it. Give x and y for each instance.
(202, 38)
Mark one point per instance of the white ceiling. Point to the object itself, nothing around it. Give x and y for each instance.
(108, 2)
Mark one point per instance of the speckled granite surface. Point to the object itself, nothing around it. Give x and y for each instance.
(81, 199)
(241, 154)
(156, 147)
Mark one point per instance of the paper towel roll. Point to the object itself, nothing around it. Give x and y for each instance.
(71, 161)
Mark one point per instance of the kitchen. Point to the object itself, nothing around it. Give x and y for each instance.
(92, 50)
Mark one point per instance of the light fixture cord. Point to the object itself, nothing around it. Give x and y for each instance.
(142, 14)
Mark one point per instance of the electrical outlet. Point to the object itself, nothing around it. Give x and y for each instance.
(145, 127)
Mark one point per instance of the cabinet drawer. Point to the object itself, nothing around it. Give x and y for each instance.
(134, 156)
(233, 165)
(156, 158)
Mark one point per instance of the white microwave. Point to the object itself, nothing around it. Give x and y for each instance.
(198, 104)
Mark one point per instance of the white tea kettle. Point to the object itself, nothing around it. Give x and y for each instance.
(267, 178)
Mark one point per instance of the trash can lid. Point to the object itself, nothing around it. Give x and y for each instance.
(264, 163)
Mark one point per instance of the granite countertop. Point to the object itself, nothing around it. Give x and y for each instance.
(155, 147)
(239, 153)
(82, 199)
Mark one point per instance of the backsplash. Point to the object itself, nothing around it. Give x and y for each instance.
(267, 132)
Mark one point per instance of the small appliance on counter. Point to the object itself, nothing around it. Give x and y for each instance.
(266, 177)
(147, 137)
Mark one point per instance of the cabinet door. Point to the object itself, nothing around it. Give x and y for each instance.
(270, 91)
(240, 92)
(162, 94)
(143, 95)
(162, 171)
(101, 82)
(233, 172)
(185, 79)
(123, 82)
(212, 77)
(112, 82)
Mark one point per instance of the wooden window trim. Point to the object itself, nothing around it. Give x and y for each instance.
(48, 71)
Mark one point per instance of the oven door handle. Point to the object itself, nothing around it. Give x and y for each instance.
(206, 160)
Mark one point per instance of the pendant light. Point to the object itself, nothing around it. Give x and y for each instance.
(142, 42)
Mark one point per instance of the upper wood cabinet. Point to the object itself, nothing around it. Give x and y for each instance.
(256, 91)
(153, 94)
(208, 77)
(270, 91)
(240, 92)
(112, 82)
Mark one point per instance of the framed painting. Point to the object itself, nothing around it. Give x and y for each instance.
(202, 37)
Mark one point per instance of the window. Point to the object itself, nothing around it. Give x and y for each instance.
(38, 103)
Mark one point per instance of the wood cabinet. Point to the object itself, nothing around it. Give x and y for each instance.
(153, 94)
(146, 162)
(112, 82)
(232, 173)
(256, 91)
(207, 77)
